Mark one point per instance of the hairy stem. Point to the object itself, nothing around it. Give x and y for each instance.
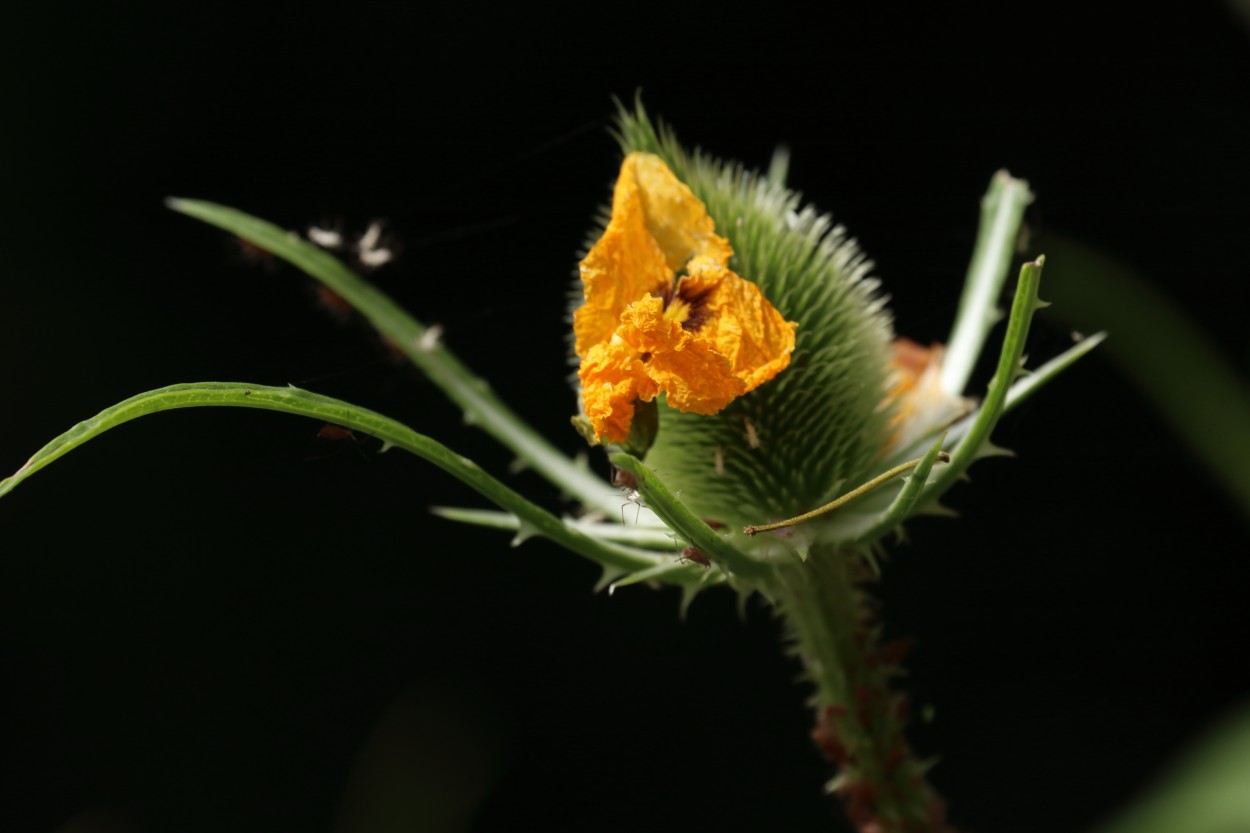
(859, 720)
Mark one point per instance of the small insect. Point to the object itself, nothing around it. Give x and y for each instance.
(624, 480)
(335, 433)
(826, 736)
(332, 302)
(635, 497)
(372, 249)
(430, 339)
(697, 556)
(249, 252)
(327, 236)
(629, 484)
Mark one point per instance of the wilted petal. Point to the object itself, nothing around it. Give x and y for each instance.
(921, 406)
(657, 225)
(693, 375)
(704, 343)
(625, 264)
(676, 218)
(738, 322)
(613, 377)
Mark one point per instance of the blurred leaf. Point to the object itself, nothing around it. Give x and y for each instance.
(1196, 390)
(1208, 792)
(427, 765)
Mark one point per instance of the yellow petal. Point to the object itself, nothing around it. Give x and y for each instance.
(624, 265)
(613, 377)
(657, 225)
(695, 378)
(676, 218)
(738, 322)
(644, 327)
(692, 374)
(720, 338)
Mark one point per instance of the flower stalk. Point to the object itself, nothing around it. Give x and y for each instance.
(860, 721)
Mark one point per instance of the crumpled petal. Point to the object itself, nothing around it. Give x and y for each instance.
(922, 407)
(613, 377)
(738, 322)
(676, 218)
(657, 225)
(703, 343)
(692, 374)
(625, 264)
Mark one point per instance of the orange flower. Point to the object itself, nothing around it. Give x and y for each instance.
(922, 407)
(664, 313)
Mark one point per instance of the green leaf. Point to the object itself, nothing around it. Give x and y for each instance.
(1037, 378)
(1030, 383)
(1208, 792)
(1195, 387)
(1002, 209)
(1009, 367)
(677, 516)
(622, 533)
(323, 408)
(419, 343)
(905, 503)
(675, 572)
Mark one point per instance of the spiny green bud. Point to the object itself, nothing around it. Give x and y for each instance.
(815, 426)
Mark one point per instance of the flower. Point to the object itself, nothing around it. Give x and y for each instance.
(663, 313)
(921, 406)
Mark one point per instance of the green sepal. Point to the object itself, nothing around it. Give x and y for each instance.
(643, 429)
(584, 429)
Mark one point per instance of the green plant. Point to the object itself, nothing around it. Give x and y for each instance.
(850, 407)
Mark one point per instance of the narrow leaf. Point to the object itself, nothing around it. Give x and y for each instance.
(323, 408)
(1009, 360)
(678, 517)
(419, 343)
(1002, 209)
(639, 536)
(905, 503)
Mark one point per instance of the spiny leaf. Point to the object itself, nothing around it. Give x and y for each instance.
(326, 409)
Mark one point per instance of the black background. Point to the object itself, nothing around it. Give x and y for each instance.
(206, 614)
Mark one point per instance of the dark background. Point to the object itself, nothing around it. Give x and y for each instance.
(205, 616)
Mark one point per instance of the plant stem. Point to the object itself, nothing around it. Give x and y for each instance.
(1002, 209)
(859, 720)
